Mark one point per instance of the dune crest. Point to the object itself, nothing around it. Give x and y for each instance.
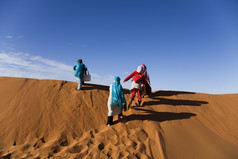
(50, 119)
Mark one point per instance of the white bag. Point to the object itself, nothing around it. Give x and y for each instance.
(86, 76)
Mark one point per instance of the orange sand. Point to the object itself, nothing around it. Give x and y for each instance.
(50, 119)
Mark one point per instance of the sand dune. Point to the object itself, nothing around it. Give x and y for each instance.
(50, 119)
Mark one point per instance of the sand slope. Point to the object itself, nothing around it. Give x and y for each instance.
(50, 119)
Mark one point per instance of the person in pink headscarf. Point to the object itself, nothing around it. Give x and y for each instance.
(147, 85)
(137, 83)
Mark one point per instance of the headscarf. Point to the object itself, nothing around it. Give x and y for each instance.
(144, 68)
(146, 75)
(117, 92)
(140, 69)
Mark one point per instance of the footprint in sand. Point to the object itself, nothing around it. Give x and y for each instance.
(134, 145)
(123, 154)
(25, 147)
(125, 141)
(39, 143)
(141, 135)
(55, 149)
(63, 140)
(101, 146)
(91, 133)
(141, 147)
(81, 155)
(76, 149)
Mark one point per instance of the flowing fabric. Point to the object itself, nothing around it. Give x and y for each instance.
(117, 92)
(146, 75)
(79, 70)
(144, 68)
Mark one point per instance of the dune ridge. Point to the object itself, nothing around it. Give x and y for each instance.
(50, 119)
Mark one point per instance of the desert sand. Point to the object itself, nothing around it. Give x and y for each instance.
(50, 119)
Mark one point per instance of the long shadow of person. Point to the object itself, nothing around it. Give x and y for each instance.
(157, 100)
(173, 102)
(156, 116)
(168, 93)
(163, 116)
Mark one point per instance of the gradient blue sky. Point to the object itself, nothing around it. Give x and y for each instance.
(187, 45)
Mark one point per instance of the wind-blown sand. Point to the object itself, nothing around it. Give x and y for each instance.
(50, 119)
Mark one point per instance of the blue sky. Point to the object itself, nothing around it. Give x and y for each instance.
(186, 45)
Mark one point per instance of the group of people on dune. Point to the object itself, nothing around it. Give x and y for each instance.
(116, 101)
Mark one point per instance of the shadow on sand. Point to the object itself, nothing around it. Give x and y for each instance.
(156, 116)
(168, 93)
(87, 86)
(157, 100)
(174, 102)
